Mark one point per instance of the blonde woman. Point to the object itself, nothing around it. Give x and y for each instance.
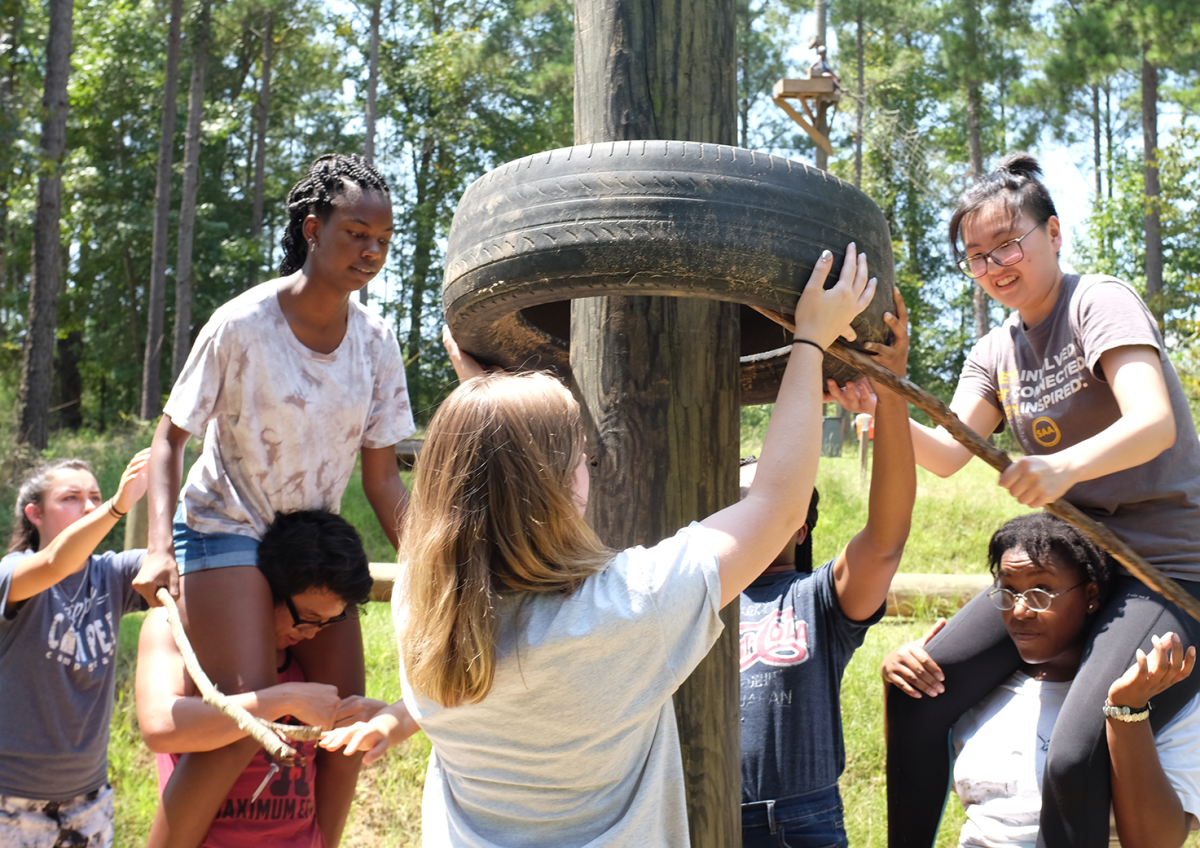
(540, 663)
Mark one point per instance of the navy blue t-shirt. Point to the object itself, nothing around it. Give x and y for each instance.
(795, 643)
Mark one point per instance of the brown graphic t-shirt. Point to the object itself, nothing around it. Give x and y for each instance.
(282, 424)
(1049, 384)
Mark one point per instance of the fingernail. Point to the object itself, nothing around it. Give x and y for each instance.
(826, 255)
(851, 246)
(889, 315)
(873, 281)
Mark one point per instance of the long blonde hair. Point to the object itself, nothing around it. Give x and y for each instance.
(492, 509)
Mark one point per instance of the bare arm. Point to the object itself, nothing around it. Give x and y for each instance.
(174, 719)
(385, 490)
(864, 569)
(1145, 429)
(387, 729)
(69, 550)
(1147, 808)
(940, 453)
(751, 532)
(166, 474)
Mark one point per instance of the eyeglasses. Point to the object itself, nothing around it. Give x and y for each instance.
(1035, 600)
(1004, 254)
(299, 622)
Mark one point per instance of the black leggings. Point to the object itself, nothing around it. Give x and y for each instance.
(976, 655)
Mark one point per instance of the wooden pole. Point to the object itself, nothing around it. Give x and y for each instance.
(998, 459)
(658, 377)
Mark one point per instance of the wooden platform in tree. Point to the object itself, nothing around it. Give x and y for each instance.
(821, 92)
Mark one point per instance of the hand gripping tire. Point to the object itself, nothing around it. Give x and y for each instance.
(667, 218)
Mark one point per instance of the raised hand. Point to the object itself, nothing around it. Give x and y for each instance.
(1153, 673)
(824, 314)
(857, 396)
(132, 487)
(894, 356)
(465, 365)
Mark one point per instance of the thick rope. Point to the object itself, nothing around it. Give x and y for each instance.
(264, 732)
(998, 459)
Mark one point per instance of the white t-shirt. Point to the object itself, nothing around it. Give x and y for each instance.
(576, 743)
(282, 424)
(1000, 747)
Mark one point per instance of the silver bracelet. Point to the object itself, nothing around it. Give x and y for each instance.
(1125, 713)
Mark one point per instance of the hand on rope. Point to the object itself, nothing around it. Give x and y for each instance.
(998, 459)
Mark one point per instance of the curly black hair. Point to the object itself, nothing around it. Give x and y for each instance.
(1040, 535)
(314, 195)
(314, 549)
(1014, 183)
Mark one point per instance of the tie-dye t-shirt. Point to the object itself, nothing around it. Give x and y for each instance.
(282, 424)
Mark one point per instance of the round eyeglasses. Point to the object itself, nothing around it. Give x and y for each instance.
(1004, 254)
(299, 622)
(1035, 600)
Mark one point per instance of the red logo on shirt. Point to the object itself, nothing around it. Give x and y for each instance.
(778, 639)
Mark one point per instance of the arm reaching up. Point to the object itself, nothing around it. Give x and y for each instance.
(864, 569)
(750, 533)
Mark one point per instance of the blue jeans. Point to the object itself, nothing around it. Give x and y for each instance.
(201, 551)
(811, 820)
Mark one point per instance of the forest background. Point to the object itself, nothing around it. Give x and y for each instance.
(146, 148)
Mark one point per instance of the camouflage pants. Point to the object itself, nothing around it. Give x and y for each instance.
(82, 822)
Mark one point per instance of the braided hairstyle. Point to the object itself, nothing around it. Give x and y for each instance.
(1015, 184)
(25, 535)
(327, 179)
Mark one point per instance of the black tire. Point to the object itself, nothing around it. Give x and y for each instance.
(652, 218)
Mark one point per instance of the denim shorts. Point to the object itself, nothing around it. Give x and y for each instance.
(811, 820)
(201, 551)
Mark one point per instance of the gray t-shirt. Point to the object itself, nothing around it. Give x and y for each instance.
(576, 744)
(58, 672)
(282, 424)
(795, 645)
(1047, 381)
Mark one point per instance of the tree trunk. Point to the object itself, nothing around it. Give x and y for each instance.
(861, 105)
(151, 393)
(424, 240)
(33, 405)
(372, 95)
(191, 183)
(10, 20)
(1097, 163)
(70, 381)
(262, 113)
(983, 321)
(658, 377)
(131, 289)
(1154, 256)
(1108, 137)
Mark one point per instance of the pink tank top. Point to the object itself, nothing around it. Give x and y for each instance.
(283, 815)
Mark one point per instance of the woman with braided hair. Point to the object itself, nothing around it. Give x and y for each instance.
(288, 383)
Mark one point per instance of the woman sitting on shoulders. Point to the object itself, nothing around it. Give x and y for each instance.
(1050, 582)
